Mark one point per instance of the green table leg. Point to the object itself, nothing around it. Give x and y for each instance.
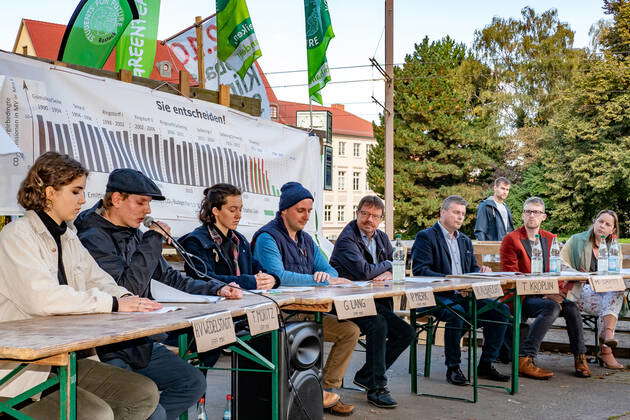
(473, 341)
(429, 346)
(516, 341)
(182, 344)
(413, 354)
(68, 389)
(275, 376)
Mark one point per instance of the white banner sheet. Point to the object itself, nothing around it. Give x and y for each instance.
(184, 145)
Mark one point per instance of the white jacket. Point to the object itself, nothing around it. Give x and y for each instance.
(29, 286)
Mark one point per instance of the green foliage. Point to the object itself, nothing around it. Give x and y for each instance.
(586, 159)
(446, 137)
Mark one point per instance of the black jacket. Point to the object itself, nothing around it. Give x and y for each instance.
(215, 264)
(133, 258)
(351, 258)
(489, 225)
(431, 256)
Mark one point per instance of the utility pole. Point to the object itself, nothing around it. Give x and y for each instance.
(389, 118)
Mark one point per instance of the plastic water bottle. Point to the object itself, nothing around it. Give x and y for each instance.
(613, 257)
(554, 257)
(398, 263)
(201, 409)
(602, 258)
(537, 256)
(227, 413)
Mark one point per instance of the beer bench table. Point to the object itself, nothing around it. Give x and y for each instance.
(54, 341)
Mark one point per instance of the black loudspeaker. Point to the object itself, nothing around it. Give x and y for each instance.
(300, 367)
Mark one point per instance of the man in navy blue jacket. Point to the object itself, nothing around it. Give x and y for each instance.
(362, 252)
(441, 250)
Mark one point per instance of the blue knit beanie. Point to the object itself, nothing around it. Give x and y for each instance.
(292, 193)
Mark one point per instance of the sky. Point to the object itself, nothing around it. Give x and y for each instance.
(358, 27)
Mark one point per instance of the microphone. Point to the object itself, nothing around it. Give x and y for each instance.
(148, 221)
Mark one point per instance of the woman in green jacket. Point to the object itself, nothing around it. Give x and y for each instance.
(581, 252)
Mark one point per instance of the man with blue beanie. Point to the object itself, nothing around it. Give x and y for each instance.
(290, 254)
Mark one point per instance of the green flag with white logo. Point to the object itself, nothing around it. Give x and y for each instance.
(136, 49)
(94, 30)
(319, 32)
(237, 44)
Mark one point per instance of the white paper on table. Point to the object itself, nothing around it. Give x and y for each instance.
(494, 274)
(625, 271)
(167, 294)
(163, 310)
(575, 273)
(423, 279)
(353, 284)
(286, 289)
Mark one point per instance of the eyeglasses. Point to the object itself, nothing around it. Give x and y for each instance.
(533, 212)
(367, 215)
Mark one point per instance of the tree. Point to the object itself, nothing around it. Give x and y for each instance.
(446, 138)
(586, 156)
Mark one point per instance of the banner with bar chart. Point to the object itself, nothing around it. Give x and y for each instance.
(184, 145)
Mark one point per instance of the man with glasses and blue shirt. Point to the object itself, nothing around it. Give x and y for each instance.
(363, 252)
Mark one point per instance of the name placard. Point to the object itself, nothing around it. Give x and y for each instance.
(487, 289)
(214, 330)
(537, 286)
(607, 283)
(420, 298)
(354, 306)
(262, 318)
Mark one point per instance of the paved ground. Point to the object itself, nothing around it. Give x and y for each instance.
(604, 396)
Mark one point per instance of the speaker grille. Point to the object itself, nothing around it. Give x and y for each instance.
(309, 389)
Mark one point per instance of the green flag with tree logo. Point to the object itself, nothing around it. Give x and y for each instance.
(94, 30)
(136, 49)
(319, 32)
(237, 44)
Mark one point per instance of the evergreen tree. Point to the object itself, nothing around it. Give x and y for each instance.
(586, 157)
(446, 138)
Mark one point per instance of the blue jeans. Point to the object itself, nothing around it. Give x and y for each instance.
(386, 337)
(493, 334)
(545, 312)
(181, 384)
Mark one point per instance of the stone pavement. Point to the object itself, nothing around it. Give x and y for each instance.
(606, 395)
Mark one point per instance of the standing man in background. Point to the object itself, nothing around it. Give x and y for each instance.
(494, 218)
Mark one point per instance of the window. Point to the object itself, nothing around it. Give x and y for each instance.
(341, 213)
(341, 180)
(354, 210)
(356, 149)
(355, 180)
(327, 212)
(342, 148)
(274, 111)
(368, 148)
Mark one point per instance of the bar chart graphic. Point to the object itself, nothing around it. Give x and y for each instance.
(163, 158)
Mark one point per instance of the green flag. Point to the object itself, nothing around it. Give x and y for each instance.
(319, 32)
(94, 30)
(237, 44)
(136, 49)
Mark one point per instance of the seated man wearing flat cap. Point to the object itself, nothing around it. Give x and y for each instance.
(109, 231)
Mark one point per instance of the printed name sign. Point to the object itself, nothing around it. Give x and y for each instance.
(420, 298)
(354, 306)
(487, 289)
(537, 286)
(607, 283)
(214, 330)
(262, 318)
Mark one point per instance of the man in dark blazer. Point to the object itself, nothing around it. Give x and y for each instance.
(442, 250)
(362, 252)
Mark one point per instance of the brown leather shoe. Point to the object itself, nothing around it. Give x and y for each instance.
(527, 367)
(340, 409)
(330, 399)
(581, 366)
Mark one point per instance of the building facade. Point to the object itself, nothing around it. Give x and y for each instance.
(352, 138)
